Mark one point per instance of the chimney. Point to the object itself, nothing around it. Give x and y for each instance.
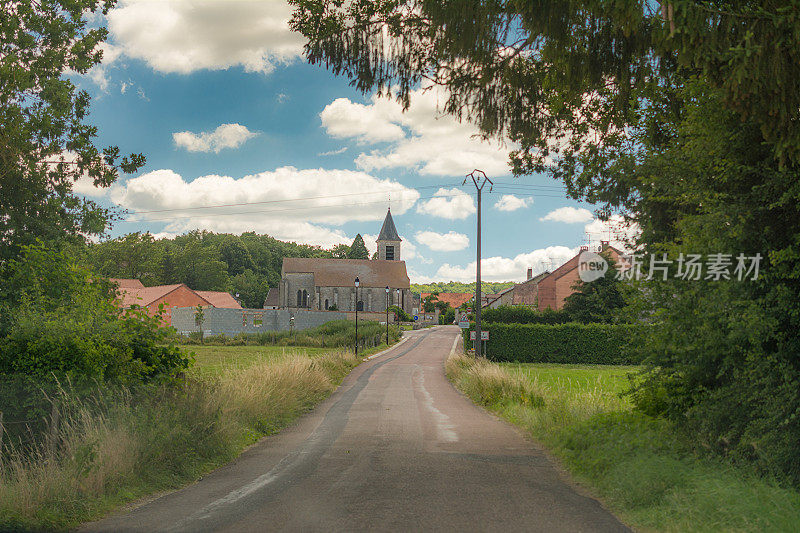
(603, 245)
(530, 273)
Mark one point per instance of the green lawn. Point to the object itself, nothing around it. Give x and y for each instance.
(608, 379)
(215, 360)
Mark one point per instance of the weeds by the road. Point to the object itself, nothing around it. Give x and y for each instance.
(638, 465)
(129, 443)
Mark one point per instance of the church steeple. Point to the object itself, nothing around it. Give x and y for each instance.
(388, 240)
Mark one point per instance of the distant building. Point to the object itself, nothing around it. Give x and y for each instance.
(454, 299)
(322, 284)
(554, 288)
(132, 292)
(524, 293)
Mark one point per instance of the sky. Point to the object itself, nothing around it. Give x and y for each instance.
(241, 134)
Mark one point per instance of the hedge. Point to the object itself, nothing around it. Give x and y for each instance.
(570, 343)
(519, 314)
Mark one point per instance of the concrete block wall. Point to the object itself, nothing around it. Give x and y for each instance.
(218, 321)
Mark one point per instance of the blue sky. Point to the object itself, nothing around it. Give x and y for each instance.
(219, 99)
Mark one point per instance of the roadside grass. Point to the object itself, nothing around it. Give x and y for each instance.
(128, 443)
(216, 360)
(644, 471)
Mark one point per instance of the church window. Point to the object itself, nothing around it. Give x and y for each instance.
(390, 253)
(305, 299)
(299, 298)
(326, 304)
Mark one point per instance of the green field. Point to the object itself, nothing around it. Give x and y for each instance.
(606, 379)
(216, 360)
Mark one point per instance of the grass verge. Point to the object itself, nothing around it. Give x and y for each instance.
(126, 444)
(639, 466)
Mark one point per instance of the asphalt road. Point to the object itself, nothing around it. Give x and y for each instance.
(395, 448)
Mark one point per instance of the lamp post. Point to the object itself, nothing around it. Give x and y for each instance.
(357, 284)
(387, 315)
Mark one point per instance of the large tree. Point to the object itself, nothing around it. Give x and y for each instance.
(358, 250)
(684, 116)
(46, 143)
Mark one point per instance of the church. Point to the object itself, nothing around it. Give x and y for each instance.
(330, 284)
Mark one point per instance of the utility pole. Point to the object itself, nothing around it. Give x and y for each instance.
(479, 179)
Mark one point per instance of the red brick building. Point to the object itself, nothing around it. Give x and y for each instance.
(132, 292)
(556, 286)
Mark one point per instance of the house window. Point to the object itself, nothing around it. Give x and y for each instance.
(326, 304)
(390, 253)
(299, 298)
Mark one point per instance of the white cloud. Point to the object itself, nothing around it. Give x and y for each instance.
(183, 37)
(509, 269)
(453, 204)
(296, 205)
(510, 202)
(333, 152)
(225, 136)
(616, 230)
(442, 242)
(570, 215)
(422, 138)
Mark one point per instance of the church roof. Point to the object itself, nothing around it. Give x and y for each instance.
(343, 272)
(388, 231)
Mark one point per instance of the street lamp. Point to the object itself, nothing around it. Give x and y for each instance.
(387, 315)
(357, 284)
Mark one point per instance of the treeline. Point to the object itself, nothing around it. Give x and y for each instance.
(247, 265)
(487, 287)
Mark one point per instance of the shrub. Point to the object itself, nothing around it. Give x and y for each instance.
(518, 314)
(560, 343)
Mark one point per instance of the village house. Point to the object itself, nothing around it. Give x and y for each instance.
(328, 284)
(133, 292)
(554, 288)
(525, 293)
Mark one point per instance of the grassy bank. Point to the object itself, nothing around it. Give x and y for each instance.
(125, 444)
(639, 466)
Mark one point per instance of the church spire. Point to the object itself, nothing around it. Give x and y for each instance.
(388, 231)
(388, 240)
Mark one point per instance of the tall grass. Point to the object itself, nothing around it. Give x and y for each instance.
(123, 444)
(336, 333)
(641, 467)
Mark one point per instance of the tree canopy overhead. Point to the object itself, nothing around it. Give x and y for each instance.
(46, 143)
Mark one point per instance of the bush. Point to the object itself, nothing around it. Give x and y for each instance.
(399, 314)
(518, 314)
(560, 343)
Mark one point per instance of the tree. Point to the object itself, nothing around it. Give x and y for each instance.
(45, 142)
(684, 118)
(235, 255)
(598, 301)
(358, 250)
(430, 301)
(132, 256)
(340, 251)
(252, 289)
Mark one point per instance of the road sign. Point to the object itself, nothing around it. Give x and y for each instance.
(463, 324)
(484, 335)
(416, 318)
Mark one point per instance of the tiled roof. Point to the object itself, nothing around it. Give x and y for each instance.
(273, 298)
(343, 272)
(145, 296)
(455, 299)
(127, 283)
(388, 231)
(222, 300)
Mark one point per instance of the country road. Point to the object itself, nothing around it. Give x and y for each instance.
(395, 448)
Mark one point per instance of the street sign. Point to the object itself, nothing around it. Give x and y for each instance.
(416, 318)
(463, 324)
(484, 335)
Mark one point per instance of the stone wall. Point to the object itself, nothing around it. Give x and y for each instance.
(234, 321)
